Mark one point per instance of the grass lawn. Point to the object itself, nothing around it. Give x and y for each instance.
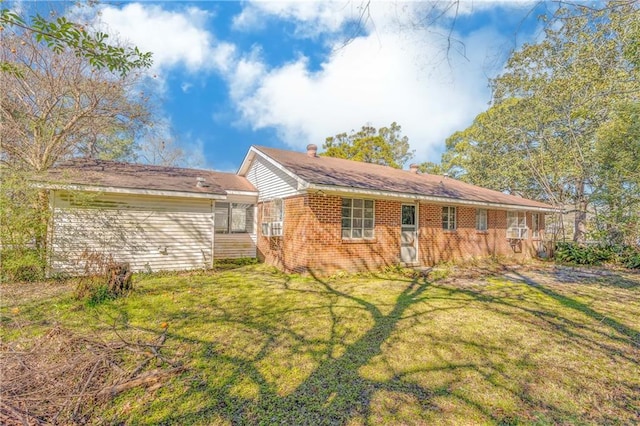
(541, 345)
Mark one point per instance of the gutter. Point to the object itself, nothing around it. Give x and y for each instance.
(134, 191)
(440, 200)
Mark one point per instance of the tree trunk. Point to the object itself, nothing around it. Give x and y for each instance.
(580, 221)
(119, 278)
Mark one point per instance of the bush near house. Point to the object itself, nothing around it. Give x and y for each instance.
(21, 265)
(581, 254)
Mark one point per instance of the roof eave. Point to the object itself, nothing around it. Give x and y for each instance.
(130, 191)
(246, 162)
(236, 192)
(434, 199)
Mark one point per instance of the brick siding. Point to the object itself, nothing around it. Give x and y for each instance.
(312, 239)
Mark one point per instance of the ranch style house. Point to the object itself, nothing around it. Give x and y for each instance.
(298, 211)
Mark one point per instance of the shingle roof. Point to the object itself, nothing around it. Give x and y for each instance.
(113, 174)
(353, 174)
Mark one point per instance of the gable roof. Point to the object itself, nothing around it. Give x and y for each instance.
(354, 176)
(115, 176)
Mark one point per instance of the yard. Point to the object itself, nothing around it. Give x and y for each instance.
(488, 344)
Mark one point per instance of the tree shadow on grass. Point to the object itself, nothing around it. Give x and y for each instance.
(335, 391)
(631, 334)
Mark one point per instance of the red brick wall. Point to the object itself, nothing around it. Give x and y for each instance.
(312, 238)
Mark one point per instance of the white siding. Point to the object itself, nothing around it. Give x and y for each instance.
(270, 180)
(233, 246)
(152, 233)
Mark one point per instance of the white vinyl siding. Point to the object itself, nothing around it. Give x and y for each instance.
(151, 233)
(233, 246)
(270, 181)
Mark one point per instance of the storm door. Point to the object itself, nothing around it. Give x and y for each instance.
(409, 234)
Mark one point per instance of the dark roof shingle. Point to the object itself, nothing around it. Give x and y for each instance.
(103, 173)
(366, 176)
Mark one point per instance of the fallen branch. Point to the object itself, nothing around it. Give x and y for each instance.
(57, 378)
(145, 379)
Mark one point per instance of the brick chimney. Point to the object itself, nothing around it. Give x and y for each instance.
(413, 168)
(312, 150)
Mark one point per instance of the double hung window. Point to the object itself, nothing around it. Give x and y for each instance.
(358, 218)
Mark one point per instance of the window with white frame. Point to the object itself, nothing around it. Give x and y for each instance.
(449, 218)
(535, 225)
(516, 225)
(481, 220)
(357, 218)
(233, 218)
(272, 218)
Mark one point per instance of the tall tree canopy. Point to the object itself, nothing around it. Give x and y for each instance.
(561, 124)
(384, 146)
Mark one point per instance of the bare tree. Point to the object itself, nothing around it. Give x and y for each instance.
(56, 105)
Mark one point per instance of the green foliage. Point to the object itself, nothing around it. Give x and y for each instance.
(571, 252)
(224, 264)
(23, 219)
(629, 257)
(385, 146)
(617, 183)
(94, 290)
(60, 34)
(21, 265)
(563, 123)
(580, 254)
(98, 295)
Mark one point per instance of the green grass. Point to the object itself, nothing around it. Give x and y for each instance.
(535, 345)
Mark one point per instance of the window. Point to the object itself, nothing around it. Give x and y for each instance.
(516, 225)
(357, 218)
(233, 218)
(535, 225)
(481, 219)
(272, 218)
(449, 218)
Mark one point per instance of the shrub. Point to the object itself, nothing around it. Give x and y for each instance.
(571, 252)
(22, 265)
(630, 257)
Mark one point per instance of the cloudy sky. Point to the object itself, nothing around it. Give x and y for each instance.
(233, 74)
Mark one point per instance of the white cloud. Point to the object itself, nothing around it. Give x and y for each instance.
(174, 37)
(403, 70)
(377, 79)
(311, 17)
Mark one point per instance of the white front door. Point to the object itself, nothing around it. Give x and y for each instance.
(409, 234)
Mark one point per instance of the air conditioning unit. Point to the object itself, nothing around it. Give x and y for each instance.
(272, 229)
(517, 233)
(276, 229)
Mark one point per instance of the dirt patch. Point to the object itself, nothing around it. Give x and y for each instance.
(12, 294)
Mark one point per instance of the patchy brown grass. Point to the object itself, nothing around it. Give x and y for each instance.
(482, 344)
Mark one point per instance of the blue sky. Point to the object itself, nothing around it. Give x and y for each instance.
(232, 74)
